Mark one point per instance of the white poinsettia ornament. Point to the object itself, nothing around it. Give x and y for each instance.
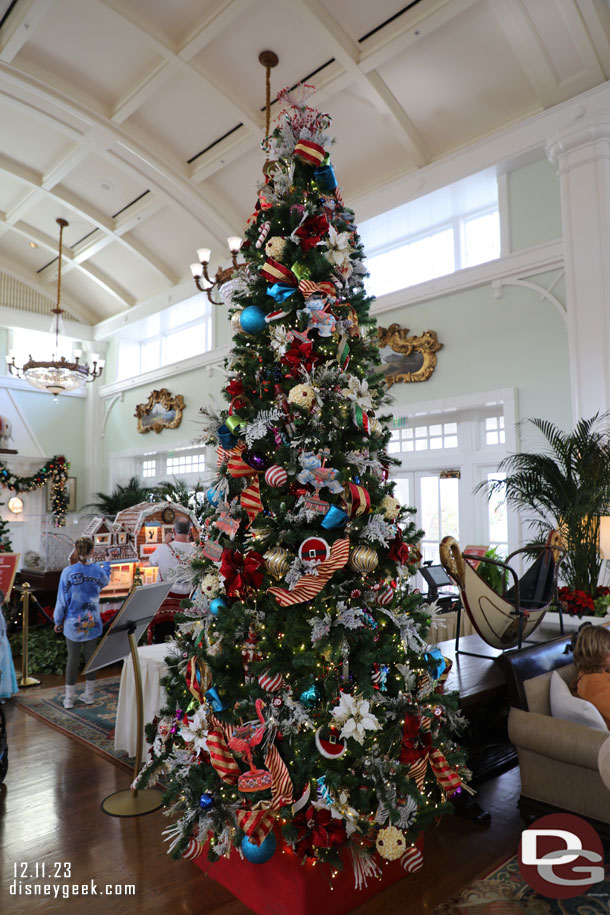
(195, 731)
(356, 717)
(339, 248)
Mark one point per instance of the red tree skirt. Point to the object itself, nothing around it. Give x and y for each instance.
(283, 886)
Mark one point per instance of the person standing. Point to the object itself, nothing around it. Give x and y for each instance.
(77, 614)
(173, 554)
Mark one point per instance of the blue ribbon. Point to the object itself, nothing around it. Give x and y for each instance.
(280, 291)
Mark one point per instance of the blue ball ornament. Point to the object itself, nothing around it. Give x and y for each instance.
(435, 662)
(311, 696)
(252, 319)
(212, 495)
(258, 854)
(216, 605)
(206, 801)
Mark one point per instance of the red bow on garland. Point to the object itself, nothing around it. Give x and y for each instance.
(317, 829)
(300, 354)
(403, 553)
(241, 571)
(311, 231)
(415, 744)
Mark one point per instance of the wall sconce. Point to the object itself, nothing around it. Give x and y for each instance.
(15, 505)
(204, 282)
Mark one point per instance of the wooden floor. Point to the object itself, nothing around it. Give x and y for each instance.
(50, 812)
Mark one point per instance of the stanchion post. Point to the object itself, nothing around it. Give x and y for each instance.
(25, 613)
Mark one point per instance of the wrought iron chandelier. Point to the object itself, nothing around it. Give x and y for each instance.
(57, 375)
(227, 279)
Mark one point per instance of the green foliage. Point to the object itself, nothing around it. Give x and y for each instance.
(46, 650)
(495, 577)
(566, 486)
(124, 496)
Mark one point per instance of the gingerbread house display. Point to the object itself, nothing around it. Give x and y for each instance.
(148, 524)
(109, 543)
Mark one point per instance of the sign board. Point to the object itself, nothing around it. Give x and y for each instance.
(8, 570)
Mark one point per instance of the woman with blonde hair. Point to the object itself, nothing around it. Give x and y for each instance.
(592, 661)
(77, 614)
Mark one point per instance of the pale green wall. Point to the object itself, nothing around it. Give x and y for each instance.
(534, 205)
(58, 427)
(516, 341)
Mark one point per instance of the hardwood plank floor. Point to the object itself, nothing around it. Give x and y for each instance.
(50, 812)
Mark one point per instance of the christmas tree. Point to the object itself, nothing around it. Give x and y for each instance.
(5, 538)
(304, 705)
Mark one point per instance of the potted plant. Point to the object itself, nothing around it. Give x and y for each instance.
(566, 486)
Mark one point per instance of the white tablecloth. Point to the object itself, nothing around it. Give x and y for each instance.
(152, 666)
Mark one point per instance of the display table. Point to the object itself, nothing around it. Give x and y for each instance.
(444, 626)
(153, 669)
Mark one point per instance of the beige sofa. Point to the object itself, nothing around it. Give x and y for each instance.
(558, 759)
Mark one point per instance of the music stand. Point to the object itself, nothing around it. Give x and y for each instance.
(122, 639)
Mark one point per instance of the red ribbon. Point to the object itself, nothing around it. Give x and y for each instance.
(415, 744)
(300, 354)
(311, 231)
(317, 829)
(403, 553)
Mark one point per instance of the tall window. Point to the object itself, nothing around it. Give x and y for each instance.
(177, 333)
(455, 227)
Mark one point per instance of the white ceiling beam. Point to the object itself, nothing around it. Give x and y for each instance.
(32, 280)
(67, 163)
(224, 15)
(348, 53)
(157, 76)
(529, 48)
(128, 22)
(21, 25)
(409, 29)
(596, 16)
(582, 39)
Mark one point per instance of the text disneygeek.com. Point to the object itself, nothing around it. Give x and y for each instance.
(28, 880)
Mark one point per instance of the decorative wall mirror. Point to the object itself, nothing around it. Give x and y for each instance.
(406, 358)
(161, 411)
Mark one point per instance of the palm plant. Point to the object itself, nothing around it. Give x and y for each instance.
(124, 496)
(183, 493)
(566, 486)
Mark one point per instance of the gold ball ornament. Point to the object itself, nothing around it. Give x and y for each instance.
(303, 395)
(391, 843)
(363, 559)
(390, 507)
(277, 561)
(235, 321)
(275, 247)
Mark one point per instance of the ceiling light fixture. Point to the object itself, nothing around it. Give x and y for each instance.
(227, 279)
(56, 375)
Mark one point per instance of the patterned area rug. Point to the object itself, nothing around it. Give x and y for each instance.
(89, 724)
(503, 892)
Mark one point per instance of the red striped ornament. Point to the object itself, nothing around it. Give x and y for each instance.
(275, 476)
(193, 849)
(271, 683)
(412, 860)
(357, 500)
(447, 777)
(220, 757)
(385, 596)
(281, 792)
(310, 152)
(308, 288)
(250, 499)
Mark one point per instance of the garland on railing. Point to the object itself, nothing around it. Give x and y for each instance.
(56, 470)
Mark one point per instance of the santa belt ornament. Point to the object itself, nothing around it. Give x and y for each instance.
(275, 272)
(357, 500)
(310, 152)
(310, 585)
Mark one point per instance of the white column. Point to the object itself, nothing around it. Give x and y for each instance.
(92, 448)
(582, 154)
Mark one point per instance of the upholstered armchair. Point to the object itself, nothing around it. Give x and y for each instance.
(558, 758)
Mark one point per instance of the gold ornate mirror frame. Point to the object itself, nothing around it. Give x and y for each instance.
(416, 356)
(161, 411)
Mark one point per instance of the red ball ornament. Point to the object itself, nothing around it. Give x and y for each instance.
(275, 476)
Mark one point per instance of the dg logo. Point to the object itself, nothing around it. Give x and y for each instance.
(561, 856)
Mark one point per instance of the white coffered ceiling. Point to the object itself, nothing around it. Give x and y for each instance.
(140, 121)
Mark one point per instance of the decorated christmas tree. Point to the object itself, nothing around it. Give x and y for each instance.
(305, 708)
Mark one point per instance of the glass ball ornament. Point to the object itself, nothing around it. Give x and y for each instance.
(216, 605)
(363, 559)
(252, 320)
(258, 854)
(236, 320)
(256, 459)
(312, 696)
(206, 801)
(277, 561)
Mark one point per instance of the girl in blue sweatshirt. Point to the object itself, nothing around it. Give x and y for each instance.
(77, 614)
